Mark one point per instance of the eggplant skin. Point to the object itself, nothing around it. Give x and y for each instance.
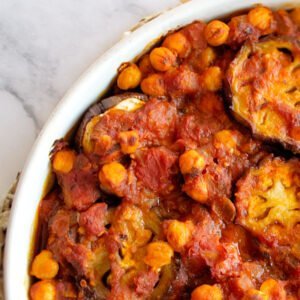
(99, 108)
(263, 87)
(267, 202)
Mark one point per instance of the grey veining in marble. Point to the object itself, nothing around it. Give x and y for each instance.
(44, 47)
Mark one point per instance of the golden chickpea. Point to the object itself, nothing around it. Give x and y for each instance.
(178, 234)
(212, 79)
(145, 65)
(207, 57)
(273, 289)
(225, 138)
(178, 43)
(129, 78)
(154, 85)
(63, 161)
(254, 294)
(207, 292)
(190, 161)
(260, 17)
(162, 59)
(43, 290)
(158, 254)
(129, 141)
(44, 266)
(216, 33)
(111, 176)
(197, 189)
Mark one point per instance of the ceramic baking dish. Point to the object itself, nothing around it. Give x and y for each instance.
(91, 85)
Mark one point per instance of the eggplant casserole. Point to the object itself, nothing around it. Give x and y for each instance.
(185, 182)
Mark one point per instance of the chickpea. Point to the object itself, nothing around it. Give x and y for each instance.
(153, 85)
(129, 78)
(145, 65)
(225, 138)
(129, 141)
(207, 292)
(158, 254)
(260, 17)
(197, 189)
(162, 59)
(178, 43)
(63, 161)
(178, 234)
(44, 266)
(216, 33)
(43, 290)
(191, 160)
(273, 289)
(207, 57)
(254, 294)
(295, 15)
(212, 79)
(111, 176)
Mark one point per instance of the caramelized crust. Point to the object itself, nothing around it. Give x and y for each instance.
(264, 79)
(268, 204)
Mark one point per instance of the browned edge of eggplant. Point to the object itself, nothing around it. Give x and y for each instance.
(99, 108)
(228, 95)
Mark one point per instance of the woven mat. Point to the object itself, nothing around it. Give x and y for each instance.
(4, 215)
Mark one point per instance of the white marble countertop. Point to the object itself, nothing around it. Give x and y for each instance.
(44, 47)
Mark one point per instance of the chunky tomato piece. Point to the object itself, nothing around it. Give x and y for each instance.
(155, 168)
(93, 219)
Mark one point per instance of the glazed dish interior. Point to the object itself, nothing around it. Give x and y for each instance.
(184, 182)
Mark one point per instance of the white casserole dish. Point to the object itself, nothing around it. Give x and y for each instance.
(83, 93)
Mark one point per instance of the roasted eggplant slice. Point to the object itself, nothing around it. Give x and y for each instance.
(268, 204)
(264, 90)
(133, 230)
(126, 101)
